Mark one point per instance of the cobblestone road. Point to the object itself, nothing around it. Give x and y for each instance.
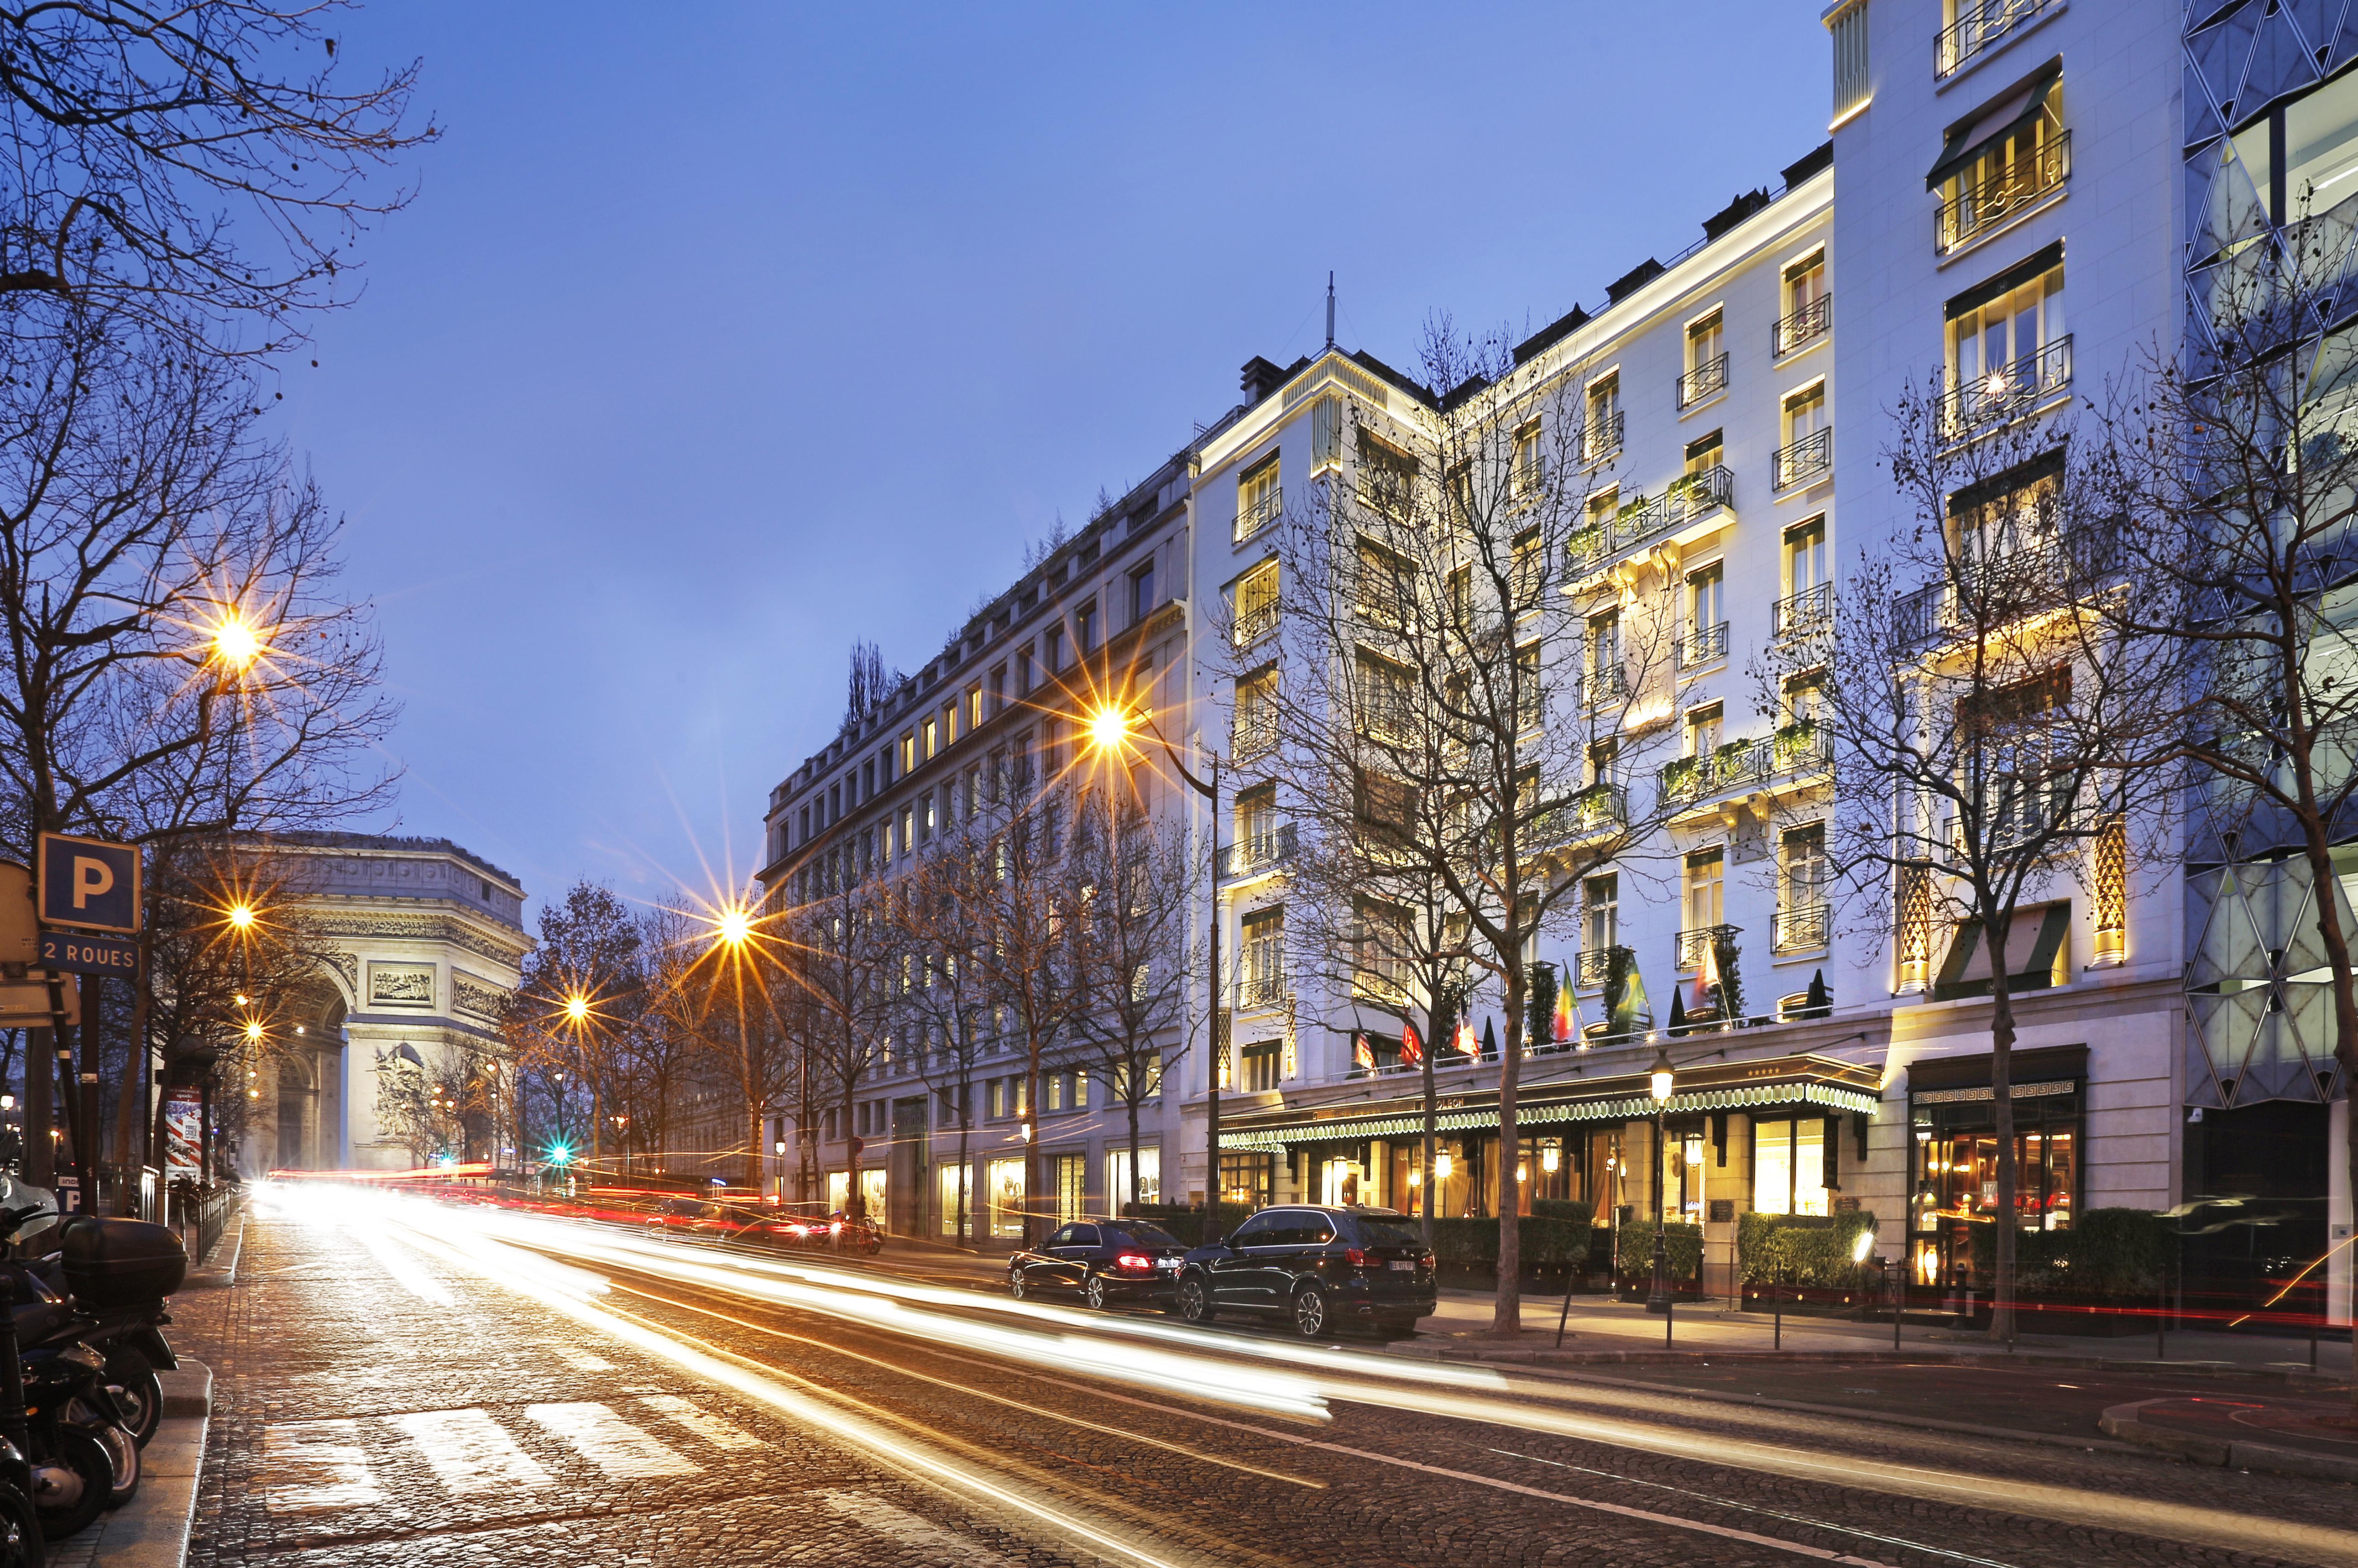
(380, 1400)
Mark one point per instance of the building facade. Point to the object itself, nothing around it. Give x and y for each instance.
(2014, 201)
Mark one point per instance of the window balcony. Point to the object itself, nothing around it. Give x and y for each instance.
(1998, 396)
(1704, 645)
(1602, 438)
(1692, 943)
(1645, 519)
(1981, 26)
(1978, 208)
(1707, 379)
(1258, 853)
(1593, 813)
(1603, 687)
(1799, 462)
(1802, 927)
(1381, 980)
(2006, 585)
(1263, 987)
(1803, 614)
(1795, 754)
(1251, 519)
(1252, 738)
(1592, 967)
(1793, 333)
(1255, 622)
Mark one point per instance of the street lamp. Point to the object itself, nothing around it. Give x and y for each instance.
(779, 1149)
(1660, 1082)
(235, 642)
(1109, 729)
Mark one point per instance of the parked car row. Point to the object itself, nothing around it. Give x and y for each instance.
(1322, 1270)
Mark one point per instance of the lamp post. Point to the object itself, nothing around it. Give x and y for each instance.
(779, 1148)
(1109, 728)
(1659, 1083)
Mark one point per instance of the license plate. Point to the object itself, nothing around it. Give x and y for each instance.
(1402, 1265)
(1170, 1263)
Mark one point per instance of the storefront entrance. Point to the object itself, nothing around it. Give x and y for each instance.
(1953, 1119)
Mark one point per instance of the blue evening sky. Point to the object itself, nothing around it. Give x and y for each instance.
(720, 336)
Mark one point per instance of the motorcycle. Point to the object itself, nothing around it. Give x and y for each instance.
(130, 1337)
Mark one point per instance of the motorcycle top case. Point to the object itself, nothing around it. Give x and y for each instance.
(120, 1262)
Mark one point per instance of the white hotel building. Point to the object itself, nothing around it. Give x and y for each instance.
(2006, 190)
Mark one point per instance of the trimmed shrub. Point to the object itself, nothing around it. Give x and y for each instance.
(1472, 1245)
(2107, 1255)
(1571, 1210)
(1813, 1249)
(1681, 1248)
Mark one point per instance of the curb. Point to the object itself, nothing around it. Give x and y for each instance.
(220, 1274)
(1933, 1358)
(153, 1531)
(2125, 1423)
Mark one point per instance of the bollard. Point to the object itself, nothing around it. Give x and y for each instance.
(1671, 1301)
(1899, 1302)
(1777, 1312)
(2312, 1343)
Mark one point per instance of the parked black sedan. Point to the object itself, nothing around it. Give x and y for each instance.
(1319, 1267)
(1107, 1260)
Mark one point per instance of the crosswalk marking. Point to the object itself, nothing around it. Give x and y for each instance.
(311, 1465)
(472, 1454)
(901, 1525)
(702, 1422)
(612, 1443)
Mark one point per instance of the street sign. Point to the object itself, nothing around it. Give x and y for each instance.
(26, 1005)
(20, 934)
(87, 954)
(88, 883)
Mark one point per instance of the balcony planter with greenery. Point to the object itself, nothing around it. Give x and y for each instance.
(1683, 776)
(1796, 741)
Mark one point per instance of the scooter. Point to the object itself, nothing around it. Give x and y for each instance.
(129, 1336)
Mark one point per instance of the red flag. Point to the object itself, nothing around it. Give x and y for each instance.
(1466, 1043)
(1412, 1048)
(1363, 1054)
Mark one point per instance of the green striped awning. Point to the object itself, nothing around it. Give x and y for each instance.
(1629, 1108)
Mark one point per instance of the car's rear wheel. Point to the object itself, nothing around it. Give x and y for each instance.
(1094, 1293)
(1195, 1301)
(1310, 1312)
(1015, 1283)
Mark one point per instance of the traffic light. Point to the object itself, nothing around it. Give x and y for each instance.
(857, 1145)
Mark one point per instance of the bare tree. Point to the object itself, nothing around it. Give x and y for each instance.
(576, 1010)
(1130, 878)
(1464, 669)
(178, 165)
(843, 959)
(1997, 737)
(711, 990)
(944, 1011)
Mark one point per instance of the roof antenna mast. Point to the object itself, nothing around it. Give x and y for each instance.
(1330, 311)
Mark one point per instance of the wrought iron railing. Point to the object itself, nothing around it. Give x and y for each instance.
(1599, 809)
(1256, 621)
(1592, 967)
(1801, 927)
(1702, 646)
(1803, 327)
(1257, 852)
(1804, 613)
(1692, 942)
(1983, 25)
(1601, 685)
(1263, 985)
(1252, 517)
(2008, 584)
(1253, 737)
(1799, 462)
(1798, 751)
(1977, 207)
(1707, 380)
(1647, 518)
(2008, 393)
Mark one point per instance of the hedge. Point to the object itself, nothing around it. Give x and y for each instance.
(1548, 1243)
(1813, 1250)
(2108, 1254)
(1570, 1209)
(1682, 1246)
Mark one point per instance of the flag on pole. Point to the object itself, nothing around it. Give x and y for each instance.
(1565, 1023)
(1707, 977)
(1466, 1043)
(1412, 1048)
(1363, 1054)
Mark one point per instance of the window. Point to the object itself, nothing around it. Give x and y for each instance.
(1604, 674)
(835, 802)
(1706, 374)
(2000, 160)
(908, 828)
(1600, 924)
(1257, 824)
(1260, 969)
(1150, 1176)
(2007, 348)
(1808, 453)
(973, 709)
(1706, 638)
(1003, 1183)
(933, 738)
(1788, 1166)
(1141, 592)
(1702, 729)
(1055, 1091)
(1387, 477)
(866, 788)
(1802, 898)
(1809, 308)
(1805, 557)
(1256, 718)
(1531, 467)
(1259, 499)
(1854, 89)
(1052, 650)
(1023, 672)
(1258, 1067)
(908, 753)
(2303, 157)
(998, 689)
(1705, 874)
(925, 817)
(1603, 436)
(1085, 628)
(1247, 1178)
(1255, 604)
(1381, 590)
(950, 723)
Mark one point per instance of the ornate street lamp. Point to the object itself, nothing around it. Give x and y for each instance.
(1660, 1082)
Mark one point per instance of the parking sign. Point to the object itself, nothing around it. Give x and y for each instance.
(88, 883)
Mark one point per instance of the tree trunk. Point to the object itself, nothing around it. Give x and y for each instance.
(1507, 1317)
(127, 1117)
(2002, 1108)
(1031, 1194)
(1432, 1115)
(1133, 1099)
(965, 1163)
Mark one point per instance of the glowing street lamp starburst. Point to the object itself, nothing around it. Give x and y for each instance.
(733, 926)
(254, 1029)
(1108, 728)
(235, 642)
(577, 1009)
(240, 916)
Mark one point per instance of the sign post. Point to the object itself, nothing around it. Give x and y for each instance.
(85, 885)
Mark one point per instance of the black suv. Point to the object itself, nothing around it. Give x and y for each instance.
(1322, 1268)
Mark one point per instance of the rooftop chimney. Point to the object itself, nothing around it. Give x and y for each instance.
(1261, 378)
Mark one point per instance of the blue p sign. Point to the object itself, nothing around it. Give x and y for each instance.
(88, 883)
